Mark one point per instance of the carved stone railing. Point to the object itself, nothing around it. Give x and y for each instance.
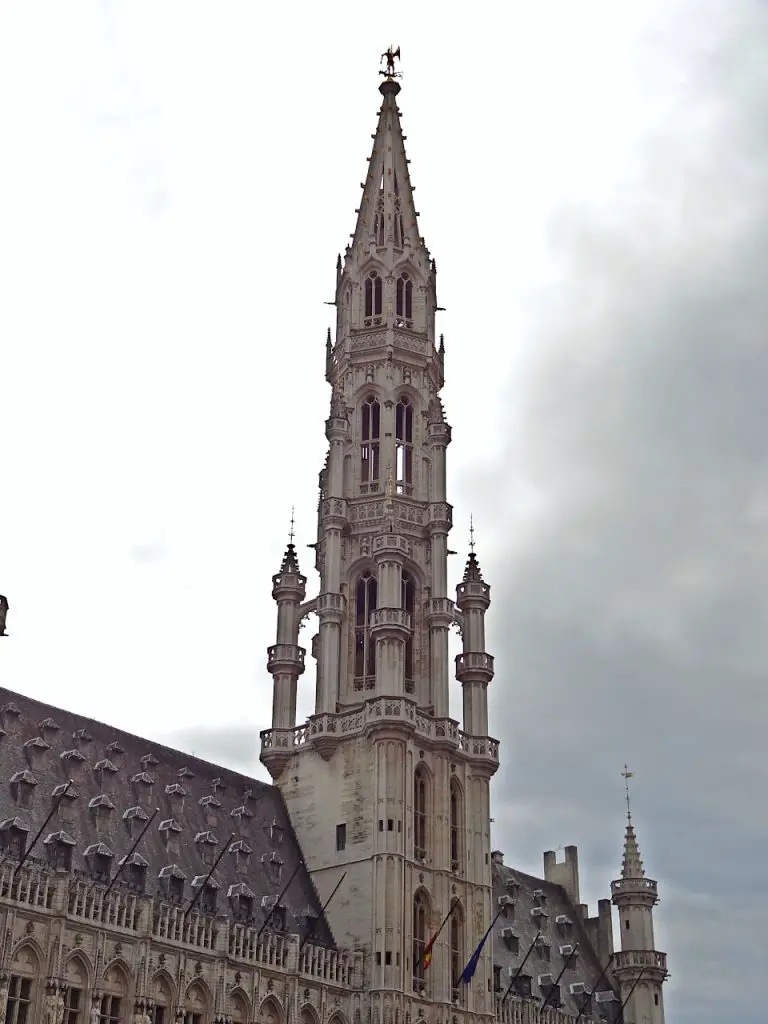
(269, 949)
(170, 925)
(339, 967)
(640, 958)
(635, 885)
(33, 885)
(380, 710)
(119, 909)
(529, 1011)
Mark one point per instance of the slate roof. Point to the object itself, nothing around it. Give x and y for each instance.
(529, 894)
(118, 782)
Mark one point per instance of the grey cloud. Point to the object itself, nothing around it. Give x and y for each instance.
(630, 613)
(236, 746)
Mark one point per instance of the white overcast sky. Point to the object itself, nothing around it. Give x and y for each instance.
(176, 179)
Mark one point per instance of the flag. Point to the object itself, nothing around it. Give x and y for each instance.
(426, 956)
(469, 971)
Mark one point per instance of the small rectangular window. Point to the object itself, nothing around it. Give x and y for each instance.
(341, 837)
(378, 959)
(390, 825)
(388, 958)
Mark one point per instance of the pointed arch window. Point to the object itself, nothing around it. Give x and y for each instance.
(370, 435)
(457, 954)
(373, 297)
(365, 648)
(404, 445)
(457, 817)
(420, 938)
(407, 601)
(420, 812)
(404, 300)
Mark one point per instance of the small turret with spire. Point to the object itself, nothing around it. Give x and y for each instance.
(474, 667)
(285, 659)
(639, 968)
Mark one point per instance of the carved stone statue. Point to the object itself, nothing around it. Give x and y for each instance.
(60, 1008)
(50, 1008)
(3, 616)
(95, 1014)
(390, 56)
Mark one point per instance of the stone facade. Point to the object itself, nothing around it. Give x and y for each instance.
(139, 885)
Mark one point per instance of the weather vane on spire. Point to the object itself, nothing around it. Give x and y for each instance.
(471, 534)
(627, 775)
(292, 531)
(390, 56)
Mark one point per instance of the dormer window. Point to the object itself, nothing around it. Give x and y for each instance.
(210, 805)
(101, 808)
(273, 865)
(404, 301)
(206, 843)
(241, 901)
(60, 846)
(135, 872)
(99, 857)
(276, 832)
(173, 878)
(242, 818)
(23, 788)
(373, 297)
(135, 819)
(36, 749)
(105, 772)
(13, 837)
(66, 797)
(209, 895)
(241, 851)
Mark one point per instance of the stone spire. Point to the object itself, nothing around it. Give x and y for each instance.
(632, 864)
(387, 214)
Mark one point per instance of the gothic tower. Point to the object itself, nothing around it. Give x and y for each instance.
(639, 969)
(383, 787)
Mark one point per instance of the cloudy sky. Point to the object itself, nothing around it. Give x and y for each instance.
(176, 180)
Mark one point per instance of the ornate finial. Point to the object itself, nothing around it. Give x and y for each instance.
(471, 534)
(390, 57)
(292, 531)
(627, 775)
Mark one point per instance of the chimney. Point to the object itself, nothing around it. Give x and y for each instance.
(565, 873)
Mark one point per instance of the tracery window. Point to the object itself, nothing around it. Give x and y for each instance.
(404, 299)
(365, 648)
(457, 954)
(404, 445)
(420, 812)
(370, 434)
(457, 814)
(408, 603)
(420, 937)
(373, 296)
(19, 1000)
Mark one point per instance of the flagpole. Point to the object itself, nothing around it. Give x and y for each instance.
(319, 917)
(478, 949)
(436, 936)
(629, 994)
(519, 969)
(568, 959)
(594, 989)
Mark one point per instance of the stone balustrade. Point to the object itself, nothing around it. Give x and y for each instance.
(632, 885)
(380, 710)
(640, 958)
(529, 1011)
(474, 663)
(62, 894)
(289, 657)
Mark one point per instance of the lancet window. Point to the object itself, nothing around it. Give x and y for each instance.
(420, 812)
(404, 300)
(370, 434)
(365, 648)
(373, 298)
(457, 954)
(404, 445)
(420, 937)
(407, 602)
(457, 815)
